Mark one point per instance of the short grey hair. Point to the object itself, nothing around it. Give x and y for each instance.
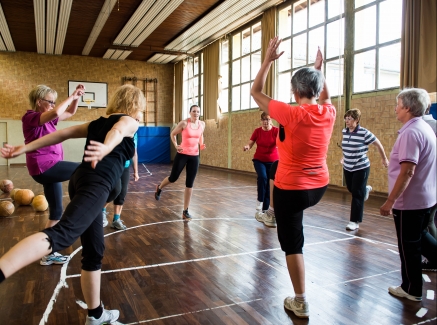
(416, 99)
(39, 92)
(307, 82)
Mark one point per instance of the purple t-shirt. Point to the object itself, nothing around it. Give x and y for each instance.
(40, 160)
(416, 143)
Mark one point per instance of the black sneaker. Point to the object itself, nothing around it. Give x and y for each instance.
(158, 193)
(427, 266)
(186, 215)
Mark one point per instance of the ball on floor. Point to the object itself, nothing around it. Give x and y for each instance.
(12, 194)
(6, 208)
(24, 197)
(6, 185)
(40, 203)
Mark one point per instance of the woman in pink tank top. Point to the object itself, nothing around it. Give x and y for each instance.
(187, 155)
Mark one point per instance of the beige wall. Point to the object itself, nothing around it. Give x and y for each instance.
(225, 142)
(21, 71)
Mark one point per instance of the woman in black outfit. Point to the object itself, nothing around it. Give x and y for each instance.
(109, 143)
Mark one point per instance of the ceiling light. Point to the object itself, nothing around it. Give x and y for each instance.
(5, 34)
(52, 17)
(160, 58)
(116, 54)
(40, 24)
(98, 25)
(64, 17)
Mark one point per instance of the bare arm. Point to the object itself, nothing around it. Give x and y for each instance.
(73, 132)
(96, 151)
(249, 145)
(402, 181)
(258, 84)
(201, 139)
(381, 151)
(135, 165)
(324, 97)
(66, 109)
(178, 129)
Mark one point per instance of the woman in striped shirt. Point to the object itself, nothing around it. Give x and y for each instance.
(356, 165)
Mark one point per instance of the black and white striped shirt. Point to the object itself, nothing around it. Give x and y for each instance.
(355, 145)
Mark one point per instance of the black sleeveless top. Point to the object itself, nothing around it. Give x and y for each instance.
(112, 165)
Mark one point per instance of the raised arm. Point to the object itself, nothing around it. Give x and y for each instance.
(258, 84)
(381, 151)
(65, 109)
(173, 135)
(324, 97)
(73, 132)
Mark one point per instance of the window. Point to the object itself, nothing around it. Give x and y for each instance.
(377, 46)
(224, 73)
(245, 63)
(193, 84)
(304, 26)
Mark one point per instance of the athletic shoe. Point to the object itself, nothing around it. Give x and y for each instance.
(264, 217)
(259, 216)
(108, 317)
(54, 258)
(399, 292)
(427, 266)
(186, 215)
(158, 193)
(118, 224)
(105, 219)
(300, 309)
(368, 189)
(352, 225)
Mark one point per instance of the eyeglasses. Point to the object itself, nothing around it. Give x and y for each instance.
(348, 118)
(49, 101)
(265, 119)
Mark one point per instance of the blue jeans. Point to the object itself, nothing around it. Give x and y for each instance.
(356, 182)
(263, 171)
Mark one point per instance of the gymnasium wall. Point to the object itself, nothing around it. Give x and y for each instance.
(226, 139)
(21, 71)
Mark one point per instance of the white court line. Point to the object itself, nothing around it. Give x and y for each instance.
(394, 252)
(196, 311)
(426, 277)
(207, 189)
(422, 311)
(430, 294)
(426, 321)
(365, 277)
(62, 281)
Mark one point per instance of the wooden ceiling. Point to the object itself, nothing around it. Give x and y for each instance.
(20, 18)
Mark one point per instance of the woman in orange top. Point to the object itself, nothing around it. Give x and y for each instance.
(302, 175)
(187, 155)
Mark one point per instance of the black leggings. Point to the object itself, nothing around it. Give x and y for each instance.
(51, 181)
(289, 206)
(119, 200)
(83, 217)
(180, 161)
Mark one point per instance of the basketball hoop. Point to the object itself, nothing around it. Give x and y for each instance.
(88, 102)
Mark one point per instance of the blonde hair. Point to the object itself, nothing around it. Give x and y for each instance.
(39, 92)
(127, 99)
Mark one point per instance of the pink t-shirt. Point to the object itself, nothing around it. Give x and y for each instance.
(416, 143)
(40, 160)
(190, 139)
(308, 130)
(266, 150)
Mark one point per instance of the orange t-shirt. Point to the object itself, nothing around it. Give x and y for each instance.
(308, 129)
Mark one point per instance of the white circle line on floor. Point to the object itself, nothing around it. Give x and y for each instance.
(63, 276)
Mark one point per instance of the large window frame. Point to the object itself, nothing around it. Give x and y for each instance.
(192, 84)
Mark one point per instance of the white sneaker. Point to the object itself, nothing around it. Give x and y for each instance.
(352, 225)
(399, 292)
(259, 216)
(300, 309)
(368, 189)
(108, 317)
(105, 219)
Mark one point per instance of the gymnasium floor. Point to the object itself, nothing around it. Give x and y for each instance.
(223, 267)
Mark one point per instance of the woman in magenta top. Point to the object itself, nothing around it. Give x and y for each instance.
(266, 153)
(187, 155)
(46, 165)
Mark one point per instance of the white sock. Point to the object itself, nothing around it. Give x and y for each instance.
(301, 297)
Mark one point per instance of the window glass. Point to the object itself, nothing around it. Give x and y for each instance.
(390, 20)
(236, 98)
(335, 39)
(389, 66)
(236, 46)
(245, 96)
(360, 3)
(299, 16)
(284, 61)
(225, 51)
(246, 42)
(236, 72)
(334, 77)
(256, 64)
(365, 28)
(224, 72)
(284, 22)
(245, 69)
(317, 12)
(364, 71)
(223, 100)
(299, 50)
(256, 37)
(335, 8)
(284, 86)
(316, 40)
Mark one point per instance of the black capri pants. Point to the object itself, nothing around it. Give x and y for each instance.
(192, 166)
(289, 207)
(119, 200)
(82, 217)
(51, 181)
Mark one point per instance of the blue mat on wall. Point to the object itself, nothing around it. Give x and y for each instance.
(433, 110)
(153, 144)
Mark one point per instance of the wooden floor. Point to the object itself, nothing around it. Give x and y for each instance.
(223, 267)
